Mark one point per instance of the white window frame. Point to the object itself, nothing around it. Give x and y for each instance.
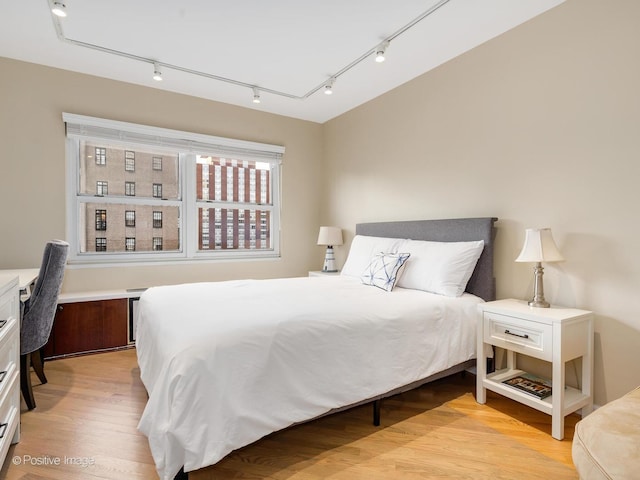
(187, 145)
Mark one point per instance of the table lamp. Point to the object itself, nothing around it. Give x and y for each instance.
(539, 247)
(330, 236)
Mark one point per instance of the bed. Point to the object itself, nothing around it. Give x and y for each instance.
(226, 363)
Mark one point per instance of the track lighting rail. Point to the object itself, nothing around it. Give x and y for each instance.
(326, 85)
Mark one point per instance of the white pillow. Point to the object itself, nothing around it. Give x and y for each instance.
(440, 267)
(363, 248)
(384, 270)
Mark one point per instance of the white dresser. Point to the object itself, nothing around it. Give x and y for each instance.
(9, 363)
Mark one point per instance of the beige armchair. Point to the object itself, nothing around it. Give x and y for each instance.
(606, 444)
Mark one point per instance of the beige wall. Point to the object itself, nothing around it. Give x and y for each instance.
(539, 127)
(32, 170)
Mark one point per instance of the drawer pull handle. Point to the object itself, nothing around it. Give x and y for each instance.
(516, 334)
(3, 429)
(2, 375)
(2, 323)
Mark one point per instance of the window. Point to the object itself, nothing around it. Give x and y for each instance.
(189, 196)
(101, 156)
(130, 218)
(101, 244)
(129, 161)
(130, 189)
(101, 188)
(157, 219)
(101, 219)
(226, 183)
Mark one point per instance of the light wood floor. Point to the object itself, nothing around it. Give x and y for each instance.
(87, 415)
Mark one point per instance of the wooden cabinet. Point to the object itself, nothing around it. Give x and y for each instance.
(84, 327)
(9, 364)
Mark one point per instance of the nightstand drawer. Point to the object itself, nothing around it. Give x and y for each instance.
(518, 335)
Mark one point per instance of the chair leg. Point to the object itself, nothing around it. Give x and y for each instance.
(38, 365)
(25, 381)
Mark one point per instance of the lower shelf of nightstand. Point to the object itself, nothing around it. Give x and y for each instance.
(574, 399)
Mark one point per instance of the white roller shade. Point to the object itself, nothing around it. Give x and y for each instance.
(82, 127)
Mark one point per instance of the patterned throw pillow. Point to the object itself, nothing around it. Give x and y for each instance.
(384, 270)
(362, 250)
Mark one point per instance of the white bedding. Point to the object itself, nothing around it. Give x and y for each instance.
(227, 363)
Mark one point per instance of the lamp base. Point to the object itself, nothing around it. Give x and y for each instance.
(329, 261)
(539, 304)
(538, 300)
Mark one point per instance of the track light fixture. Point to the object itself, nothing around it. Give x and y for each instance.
(157, 73)
(328, 87)
(256, 95)
(381, 50)
(59, 9)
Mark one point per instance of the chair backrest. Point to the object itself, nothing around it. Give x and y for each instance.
(40, 310)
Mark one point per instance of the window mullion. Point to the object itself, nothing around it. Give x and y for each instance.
(190, 212)
(238, 205)
(74, 226)
(129, 201)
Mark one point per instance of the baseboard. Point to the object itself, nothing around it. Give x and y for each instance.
(90, 352)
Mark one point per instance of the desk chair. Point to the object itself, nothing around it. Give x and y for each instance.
(38, 313)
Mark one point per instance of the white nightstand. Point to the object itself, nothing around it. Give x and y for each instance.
(320, 273)
(556, 335)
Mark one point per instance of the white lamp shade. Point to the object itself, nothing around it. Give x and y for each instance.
(539, 247)
(330, 236)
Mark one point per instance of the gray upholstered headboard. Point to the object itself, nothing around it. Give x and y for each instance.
(482, 282)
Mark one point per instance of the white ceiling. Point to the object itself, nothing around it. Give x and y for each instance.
(288, 46)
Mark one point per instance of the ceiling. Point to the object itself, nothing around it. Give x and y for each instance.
(289, 49)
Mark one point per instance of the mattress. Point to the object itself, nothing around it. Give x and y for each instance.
(227, 363)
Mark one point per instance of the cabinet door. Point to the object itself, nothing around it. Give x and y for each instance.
(87, 326)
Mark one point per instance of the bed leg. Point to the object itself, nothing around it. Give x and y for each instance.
(376, 413)
(181, 475)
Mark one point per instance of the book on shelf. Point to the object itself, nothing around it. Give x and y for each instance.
(531, 384)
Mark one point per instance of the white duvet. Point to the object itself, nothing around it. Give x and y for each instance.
(227, 363)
